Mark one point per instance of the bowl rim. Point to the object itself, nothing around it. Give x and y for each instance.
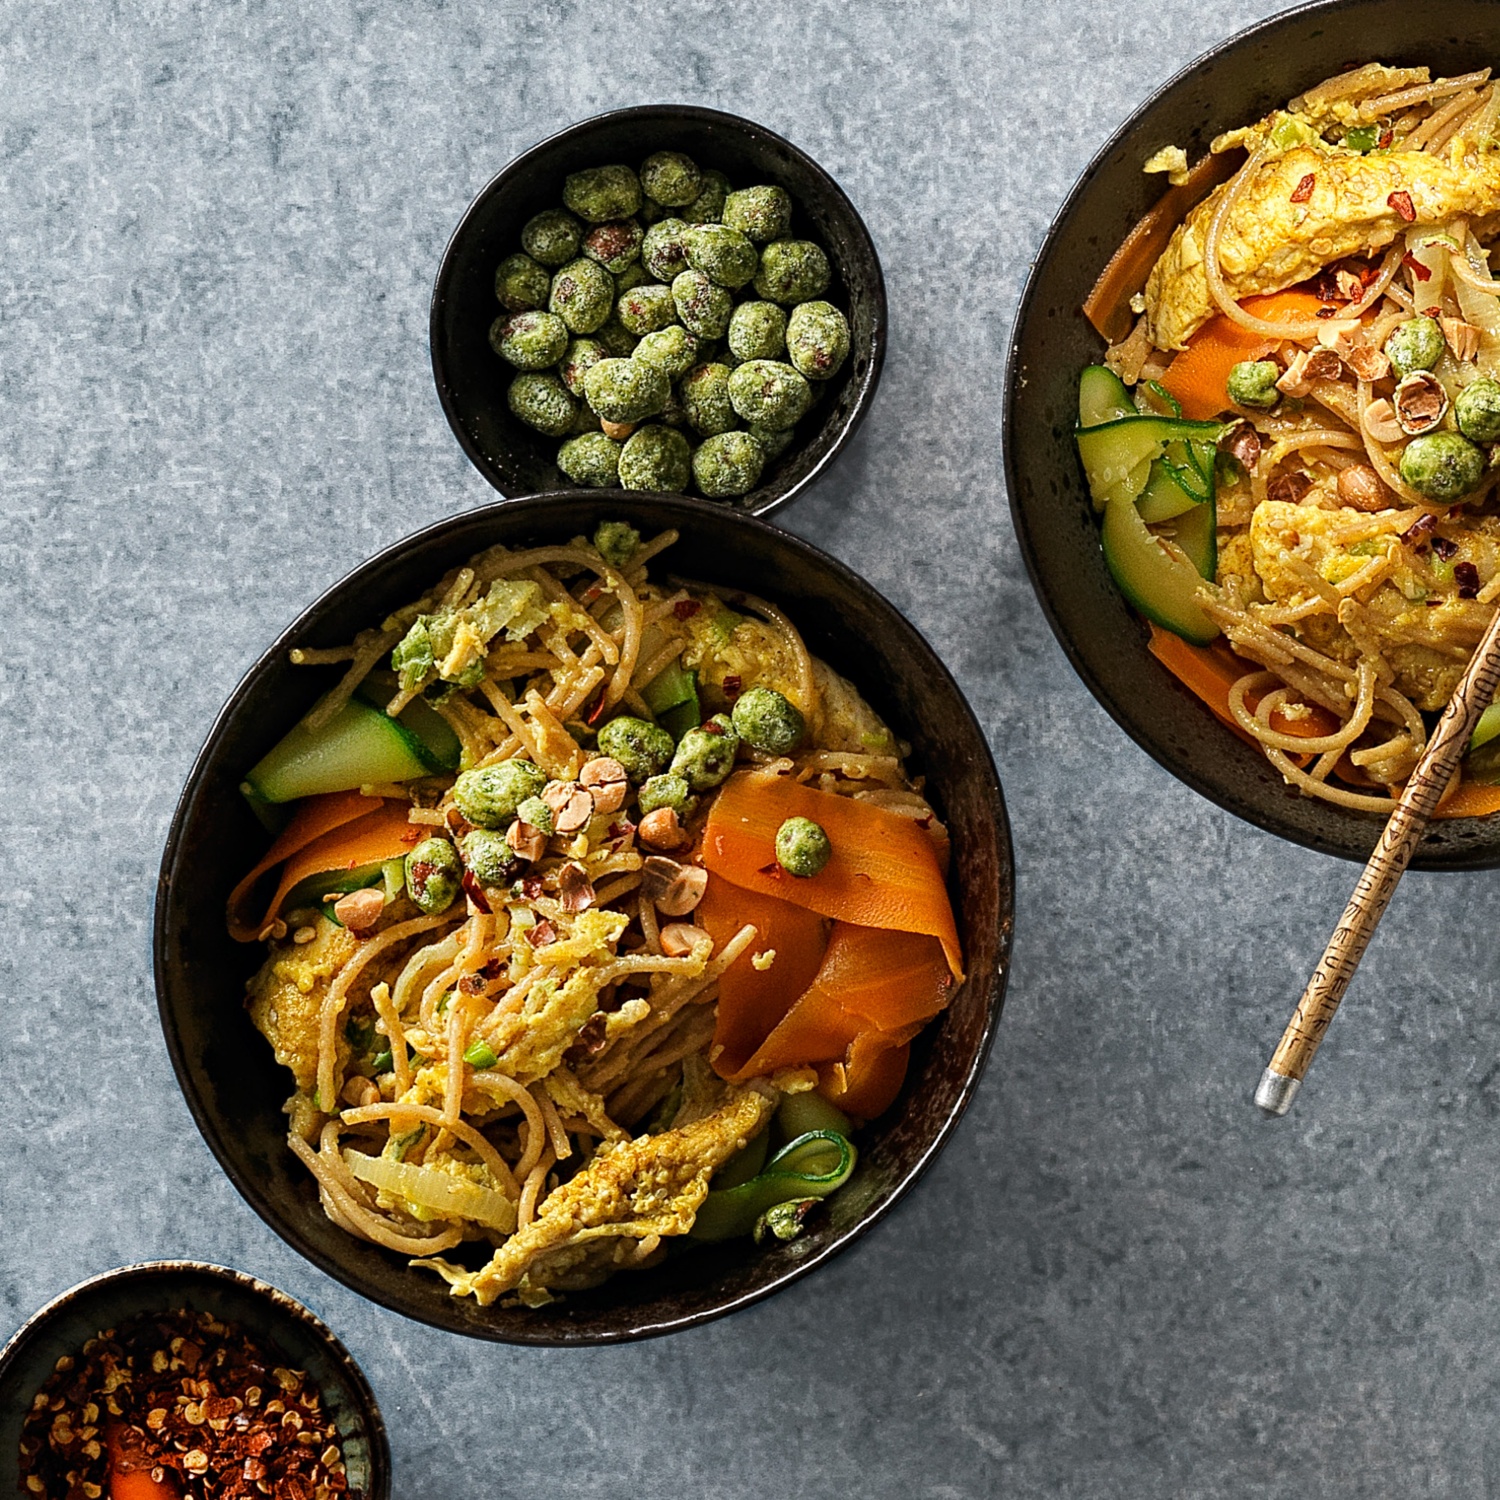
(694, 114)
(1050, 244)
(553, 1336)
(144, 1273)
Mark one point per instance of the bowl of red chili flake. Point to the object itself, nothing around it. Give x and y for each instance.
(178, 1380)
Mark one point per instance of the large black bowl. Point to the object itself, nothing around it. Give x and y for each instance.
(1239, 81)
(471, 377)
(66, 1323)
(233, 1085)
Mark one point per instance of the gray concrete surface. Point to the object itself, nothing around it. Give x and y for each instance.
(220, 224)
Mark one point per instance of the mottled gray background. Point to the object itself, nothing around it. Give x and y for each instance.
(220, 225)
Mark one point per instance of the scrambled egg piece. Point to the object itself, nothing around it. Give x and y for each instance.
(286, 995)
(1415, 618)
(631, 1190)
(1270, 242)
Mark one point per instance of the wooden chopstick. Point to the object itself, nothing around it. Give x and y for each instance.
(1398, 842)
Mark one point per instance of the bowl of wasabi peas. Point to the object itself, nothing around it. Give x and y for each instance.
(663, 298)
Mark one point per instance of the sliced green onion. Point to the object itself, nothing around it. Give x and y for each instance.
(481, 1055)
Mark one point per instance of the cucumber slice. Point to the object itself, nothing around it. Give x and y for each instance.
(359, 744)
(685, 716)
(432, 736)
(1163, 498)
(1115, 451)
(1156, 577)
(676, 684)
(310, 892)
(1153, 399)
(1196, 532)
(1102, 397)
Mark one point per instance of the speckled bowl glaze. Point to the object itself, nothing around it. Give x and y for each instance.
(1239, 81)
(235, 1088)
(66, 1323)
(472, 378)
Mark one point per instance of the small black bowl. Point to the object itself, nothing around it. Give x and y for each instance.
(66, 1323)
(472, 379)
(235, 1088)
(1238, 82)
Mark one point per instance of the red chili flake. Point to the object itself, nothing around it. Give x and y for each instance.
(619, 832)
(1444, 548)
(685, 609)
(1327, 312)
(1401, 202)
(1466, 576)
(541, 934)
(1416, 267)
(709, 727)
(733, 685)
(772, 869)
(412, 835)
(596, 713)
(1386, 137)
(1304, 189)
(1419, 530)
(475, 892)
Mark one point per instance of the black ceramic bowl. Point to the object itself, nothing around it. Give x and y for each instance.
(236, 1090)
(472, 379)
(159, 1286)
(1236, 83)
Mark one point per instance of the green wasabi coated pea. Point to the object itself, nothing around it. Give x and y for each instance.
(664, 249)
(769, 721)
(671, 179)
(542, 401)
(729, 464)
(762, 214)
(600, 194)
(489, 796)
(530, 340)
(817, 340)
(1442, 466)
(655, 458)
(491, 861)
(552, 238)
(1252, 383)
(616, 339)
(667, 790)
(802, 848)
(592, 460)
(757, 330)
(521, 284)
(705, 399)
(625, 390)
(615, 245)
(1416, 344)
(642, 748)
(433, 875)
(792, 271)
(578, 359)
(673, 350)
(630, 278)
(536, 814)
(770, 394)
(616, 542)
(646, 308)
(773, 444)
(1477, 410)
(702, 307)
(582, 295)
(723, 254)
(708, 206)
(705, 755)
